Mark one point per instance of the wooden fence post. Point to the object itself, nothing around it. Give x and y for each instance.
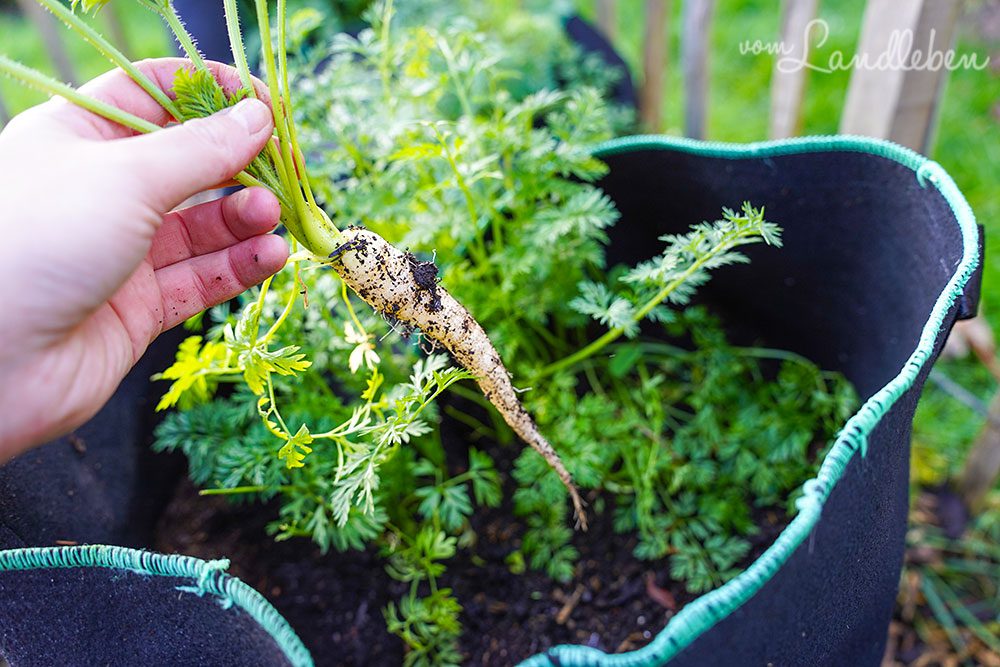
(902, 105)
(697, 20)
(654, 59)
(607, 18)
(787, 84)
(982, 465)
(48, 28)
(116, 28)
(894, 102)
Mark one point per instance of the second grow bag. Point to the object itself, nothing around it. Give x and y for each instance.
(880, 258)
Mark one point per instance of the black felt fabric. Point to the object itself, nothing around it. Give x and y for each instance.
(104, 485)
(590, 40)
(101, 484)
(89, 617)
(867, 252)
(206, 21)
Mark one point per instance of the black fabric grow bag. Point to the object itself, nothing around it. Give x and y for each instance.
(880, 258)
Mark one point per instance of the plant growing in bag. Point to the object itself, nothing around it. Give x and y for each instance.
(321, 389)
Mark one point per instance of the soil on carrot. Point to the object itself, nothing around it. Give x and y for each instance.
(334, 601)
(425, 275)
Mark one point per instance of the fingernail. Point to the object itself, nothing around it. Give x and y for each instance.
(254, 114)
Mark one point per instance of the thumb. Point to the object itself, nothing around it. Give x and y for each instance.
(183, 160)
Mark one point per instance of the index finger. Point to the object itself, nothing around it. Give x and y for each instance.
(118, 89)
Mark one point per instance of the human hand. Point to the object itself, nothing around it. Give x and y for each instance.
(93, 265)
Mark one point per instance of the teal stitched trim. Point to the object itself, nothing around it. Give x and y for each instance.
(700, 615)
(208, 572)
(208, 575)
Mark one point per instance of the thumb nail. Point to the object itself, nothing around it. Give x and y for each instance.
(253, 114)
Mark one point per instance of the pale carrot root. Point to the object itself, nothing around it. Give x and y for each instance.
(396, 284)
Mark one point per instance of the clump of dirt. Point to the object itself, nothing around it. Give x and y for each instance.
(425, 275)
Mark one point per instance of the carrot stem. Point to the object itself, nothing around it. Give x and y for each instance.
(46, 84)
(106, 49)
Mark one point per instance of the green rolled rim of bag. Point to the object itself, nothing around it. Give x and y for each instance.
(207, 577)
(703, 613)
(699, 616)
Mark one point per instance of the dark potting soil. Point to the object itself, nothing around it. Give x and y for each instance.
(614, 602)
